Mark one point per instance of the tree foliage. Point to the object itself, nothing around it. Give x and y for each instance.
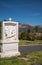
(30, 35)
(27, 35)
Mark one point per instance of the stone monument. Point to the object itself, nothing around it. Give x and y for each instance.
(9, 39)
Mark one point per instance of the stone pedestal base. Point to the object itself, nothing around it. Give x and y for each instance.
(9, 49)
(9, 54)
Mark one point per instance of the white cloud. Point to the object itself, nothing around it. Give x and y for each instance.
(36, 14)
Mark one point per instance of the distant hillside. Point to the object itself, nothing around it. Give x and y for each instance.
(25, 27)
(39, 28)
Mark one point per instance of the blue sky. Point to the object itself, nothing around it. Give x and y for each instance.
(23, 11)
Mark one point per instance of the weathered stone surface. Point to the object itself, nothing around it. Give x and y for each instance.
(9, 41)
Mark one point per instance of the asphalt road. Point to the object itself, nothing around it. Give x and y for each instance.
(32, 48)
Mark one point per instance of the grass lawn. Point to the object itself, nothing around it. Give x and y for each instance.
(34, 56)
(23, 59)
(26, 42)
